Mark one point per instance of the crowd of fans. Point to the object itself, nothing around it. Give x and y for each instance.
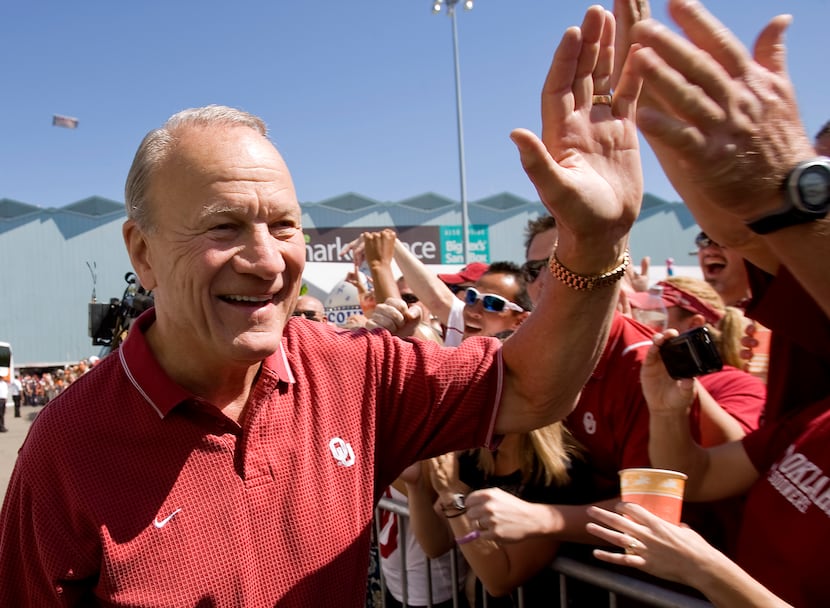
(39, 388)
(555, 471)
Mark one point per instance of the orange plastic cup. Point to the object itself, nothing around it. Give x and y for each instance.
(657, 490)
(759, 364)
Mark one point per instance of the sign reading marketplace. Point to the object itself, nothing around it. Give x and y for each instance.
(430, 244)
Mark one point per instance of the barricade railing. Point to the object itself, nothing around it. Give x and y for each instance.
(615, 583)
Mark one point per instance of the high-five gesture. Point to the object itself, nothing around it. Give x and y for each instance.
(586, 168)
(730, 120)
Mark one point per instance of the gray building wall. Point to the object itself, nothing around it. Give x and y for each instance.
(47, 284)
(47, 254)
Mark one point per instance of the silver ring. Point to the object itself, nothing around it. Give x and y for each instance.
(602, 100)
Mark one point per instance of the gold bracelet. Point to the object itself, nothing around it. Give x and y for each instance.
(582, 282)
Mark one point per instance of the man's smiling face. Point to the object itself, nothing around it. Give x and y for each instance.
(481, 322)
(724, 269)
(225, 253)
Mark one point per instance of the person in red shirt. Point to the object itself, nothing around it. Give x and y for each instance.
(730, 153)
(229, 454)
(728, 404)
(691, 303)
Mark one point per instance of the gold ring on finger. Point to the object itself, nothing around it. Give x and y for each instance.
(602, 100)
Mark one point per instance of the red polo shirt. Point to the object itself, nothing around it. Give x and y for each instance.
(129, 491)
(611, 418)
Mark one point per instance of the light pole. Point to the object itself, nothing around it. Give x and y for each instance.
(465, 220)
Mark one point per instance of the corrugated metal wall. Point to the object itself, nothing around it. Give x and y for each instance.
(46, 284)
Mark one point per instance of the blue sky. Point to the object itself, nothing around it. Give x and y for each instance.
(359, 96)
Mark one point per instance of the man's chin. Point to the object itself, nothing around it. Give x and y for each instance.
(254, 348)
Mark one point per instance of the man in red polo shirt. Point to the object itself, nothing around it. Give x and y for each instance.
(229, 454)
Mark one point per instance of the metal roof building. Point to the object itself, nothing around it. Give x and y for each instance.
(56, 260)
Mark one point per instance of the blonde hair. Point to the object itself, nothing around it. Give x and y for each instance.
(544, 455)
(729, 330)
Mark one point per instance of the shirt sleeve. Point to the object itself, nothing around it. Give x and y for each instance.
(39, 548)
(433, 400)
(740, 394)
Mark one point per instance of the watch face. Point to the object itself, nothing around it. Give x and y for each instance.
(814, 188)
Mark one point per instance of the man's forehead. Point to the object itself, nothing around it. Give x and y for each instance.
(282, 202)
(497, 281)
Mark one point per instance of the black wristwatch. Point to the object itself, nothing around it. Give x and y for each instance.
(806, 197)
(456, 505)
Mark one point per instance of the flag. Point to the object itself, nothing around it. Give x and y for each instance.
(64, 121)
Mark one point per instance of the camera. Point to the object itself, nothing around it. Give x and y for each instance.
(109, 322)
(692, 353)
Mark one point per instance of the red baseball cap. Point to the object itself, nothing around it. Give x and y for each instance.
(469, 274)
(672, 296)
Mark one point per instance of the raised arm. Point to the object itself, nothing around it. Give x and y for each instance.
(424, 283)
(664, 97)
(431, 290)
(725, 125)
(586, 169)
(377, 249)
(670, 442)
(428, 526)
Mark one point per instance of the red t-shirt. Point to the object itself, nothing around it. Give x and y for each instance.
(128, 491)
(611, 418)
(786, 527)
(739, 393)
(799, 359)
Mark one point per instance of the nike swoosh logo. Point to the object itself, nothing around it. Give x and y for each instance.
(160, 524)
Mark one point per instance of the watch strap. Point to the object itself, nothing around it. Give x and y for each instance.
(784, 219)
(796, 210)
(456, 505)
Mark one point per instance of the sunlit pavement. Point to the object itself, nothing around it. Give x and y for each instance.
(10, 442)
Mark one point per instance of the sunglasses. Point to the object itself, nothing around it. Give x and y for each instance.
(702, 241)
(532, 268)
(409, 298)
(490, 301)
(311, 315)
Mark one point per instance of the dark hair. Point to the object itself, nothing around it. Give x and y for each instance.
(513, 269)
(825, 130)
(541, 224)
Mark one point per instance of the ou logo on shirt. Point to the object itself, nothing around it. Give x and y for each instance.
(341, 451)
(590, 423)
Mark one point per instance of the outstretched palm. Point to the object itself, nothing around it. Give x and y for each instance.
(587, 168)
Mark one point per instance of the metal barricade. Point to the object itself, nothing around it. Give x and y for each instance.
(616, 584)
